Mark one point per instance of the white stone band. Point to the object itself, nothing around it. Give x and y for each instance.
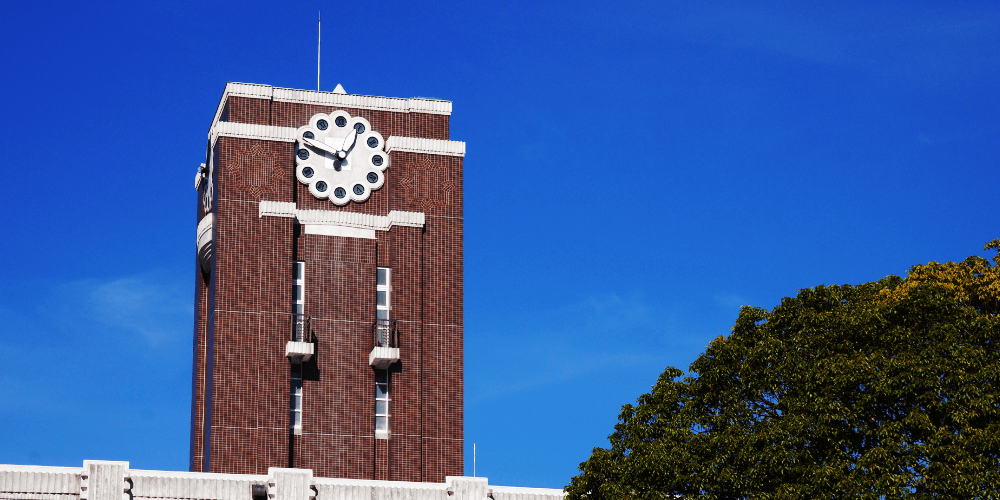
(428, 146)
(251, 131)
(257, 91)
(289, 134)
(276, 209)
(337, 223)
(365, 221)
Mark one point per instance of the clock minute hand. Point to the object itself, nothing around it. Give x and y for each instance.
(349, 141)
(320, 145)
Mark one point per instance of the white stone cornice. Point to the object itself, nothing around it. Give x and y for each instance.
(399, 105)
(428, 146)
(410, 219)
(252, 90)
(336, 218)
(289, 134)
(316, 220)
(412, 105)
(251, 131)
(276, 209)
(100, 480)
(363, 221)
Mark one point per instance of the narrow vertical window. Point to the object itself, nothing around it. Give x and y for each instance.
(382, 404)
(383, 304)
(299, 301)
(299, 332)
(382, 287)
(296, 403)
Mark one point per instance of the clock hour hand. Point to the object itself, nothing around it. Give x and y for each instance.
(320, 145)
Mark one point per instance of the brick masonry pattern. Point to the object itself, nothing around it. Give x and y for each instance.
(252, 298)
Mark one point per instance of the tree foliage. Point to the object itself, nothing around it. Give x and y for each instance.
(889, 389)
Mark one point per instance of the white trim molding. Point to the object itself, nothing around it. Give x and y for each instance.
(100, 480)
(276, 209)
(257, 91)
(365, 221)
(342, 231)
(251, 131)
(289, 134)
(399, 105)
(337, 223)
(427, 146)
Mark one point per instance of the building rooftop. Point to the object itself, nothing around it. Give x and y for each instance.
(106, 480)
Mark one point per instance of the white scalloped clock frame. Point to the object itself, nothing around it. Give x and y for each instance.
(330, 174)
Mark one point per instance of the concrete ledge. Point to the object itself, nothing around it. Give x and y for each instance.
(290, 134)
(101, 480)
(300, 351)
(382, 357)
(426, 146)
(340, 223)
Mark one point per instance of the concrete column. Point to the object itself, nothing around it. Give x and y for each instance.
(102, 480)
(289, 484)
(467, 488)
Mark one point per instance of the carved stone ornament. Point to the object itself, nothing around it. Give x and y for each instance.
(207, 197)
(340, 157)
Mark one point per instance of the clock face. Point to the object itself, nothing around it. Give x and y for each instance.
(340, 157)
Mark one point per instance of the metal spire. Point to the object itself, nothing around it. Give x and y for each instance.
(319, 43)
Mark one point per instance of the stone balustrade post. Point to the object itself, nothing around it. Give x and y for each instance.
(104, 480)
(289, 484)
(467, 488)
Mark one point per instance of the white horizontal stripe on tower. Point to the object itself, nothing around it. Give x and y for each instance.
(252, 131)
(289, 134)
(428, 146)
(394, 104)
(339, 218)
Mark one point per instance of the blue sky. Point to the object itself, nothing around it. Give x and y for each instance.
(636, 171)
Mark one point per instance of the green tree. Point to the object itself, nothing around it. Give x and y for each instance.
(889, 389)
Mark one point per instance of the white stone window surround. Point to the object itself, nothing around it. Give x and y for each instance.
(339, 223)
(267, 92)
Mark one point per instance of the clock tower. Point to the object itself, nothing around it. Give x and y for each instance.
(328, 296)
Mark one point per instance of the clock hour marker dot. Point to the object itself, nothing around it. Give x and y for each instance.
(321, 186)
(377, 160)
(307, 172)
(372, 177)
(360, 127)
(341, 121)
(303, 154)
(322, 124)
(309, 135)
(359, 189)
(339, 192)
(372, 142)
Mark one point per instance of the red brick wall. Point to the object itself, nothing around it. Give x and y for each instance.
(253, 301)
(198, 365)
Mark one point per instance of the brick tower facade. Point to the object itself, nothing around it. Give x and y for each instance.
(328, 297)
